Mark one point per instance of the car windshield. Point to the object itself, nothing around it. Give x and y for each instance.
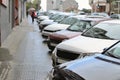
(80, 26)
(65, 74)
(55, 16)
(114, 51)
(104, 31)
(69, 21)
(60, 18)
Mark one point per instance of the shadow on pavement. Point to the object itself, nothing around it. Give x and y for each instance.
(5, 66)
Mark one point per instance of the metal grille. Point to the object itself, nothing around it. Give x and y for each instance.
(67, 54)
(55, 41)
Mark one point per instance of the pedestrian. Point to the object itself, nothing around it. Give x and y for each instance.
(33, 16)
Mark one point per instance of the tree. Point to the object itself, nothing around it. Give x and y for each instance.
(28, 5)
(35, 4)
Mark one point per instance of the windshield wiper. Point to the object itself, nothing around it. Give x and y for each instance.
(112, 55)
(74, 30)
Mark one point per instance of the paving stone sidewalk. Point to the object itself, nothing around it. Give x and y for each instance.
(10, 46)
(29, 54)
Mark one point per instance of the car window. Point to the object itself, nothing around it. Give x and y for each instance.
(80, 26)
(114, 51)
(55, 16)
(60, 18)
(69, 21)
(104, 31)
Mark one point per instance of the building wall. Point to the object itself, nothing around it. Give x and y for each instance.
(99, 6)
(43, 5)
(21, 10)
(49, 4)
(69, 5)
(7, 17)
(56, 4)
(61, 5)
(5, 20)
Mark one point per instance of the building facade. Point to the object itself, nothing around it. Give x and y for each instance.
(61, 5)
(100, 6)
(68, 5)
(108, 6)
(115, 6)
(11, 14)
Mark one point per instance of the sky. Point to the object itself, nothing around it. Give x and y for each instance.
(83, 4)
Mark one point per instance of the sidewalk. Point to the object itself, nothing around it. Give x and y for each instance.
(12, 43)
(29, 54)
(15, 38)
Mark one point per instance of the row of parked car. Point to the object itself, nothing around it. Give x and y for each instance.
(84, 47)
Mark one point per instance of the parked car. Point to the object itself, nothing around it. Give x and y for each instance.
(72, 31)
(65, 23)
(90, 42)
(56, 18)
(115, 16)
(45, 15)
(104, 66)
(101, 14)
(41, 18)
(46, 22)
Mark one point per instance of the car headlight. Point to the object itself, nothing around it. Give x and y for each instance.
(54, 57)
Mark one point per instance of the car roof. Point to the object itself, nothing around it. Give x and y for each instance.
(95, 19)
(112, 21)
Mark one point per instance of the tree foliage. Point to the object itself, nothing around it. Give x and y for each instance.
(35, 4)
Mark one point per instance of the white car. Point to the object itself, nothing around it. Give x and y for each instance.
(90, 42)
(105, 66)
(41, 18)
(56, 18)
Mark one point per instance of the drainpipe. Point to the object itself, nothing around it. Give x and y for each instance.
(0, 25)
(13, 7)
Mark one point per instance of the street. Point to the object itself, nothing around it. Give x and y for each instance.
(31, 59)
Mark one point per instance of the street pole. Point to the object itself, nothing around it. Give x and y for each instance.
(110, 1)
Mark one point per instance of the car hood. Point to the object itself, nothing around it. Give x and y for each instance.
(65, 34)
(85, 44)
(47, 22)
(97, 67)
(43, 17)
(55, 27)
